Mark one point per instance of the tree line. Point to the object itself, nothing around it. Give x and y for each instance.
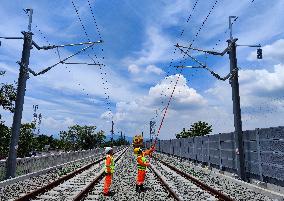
(77, 137)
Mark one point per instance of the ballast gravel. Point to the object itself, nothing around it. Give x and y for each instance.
(65, 191)
(182, 186)
(124, 182)
(20, 188)
(69, 189)
(234, 190)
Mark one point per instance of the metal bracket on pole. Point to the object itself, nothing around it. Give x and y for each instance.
(72, 44)
(208, 51)
(230, 75)
(250, 45)
(231, 26)
(60, 62)
(11, 37)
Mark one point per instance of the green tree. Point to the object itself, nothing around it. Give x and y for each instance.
(81, 137)
(66, 141)
(26, 140)
(61, 144)
(7, 95)
(42, 140)
(100, 137)
(5, 134)
(197, 129)
(183, 134)
(200, 129)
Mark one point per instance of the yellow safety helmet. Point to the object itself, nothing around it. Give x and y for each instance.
(136, 150)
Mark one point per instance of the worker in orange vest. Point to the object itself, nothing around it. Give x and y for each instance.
(109, 170)
(142, 165)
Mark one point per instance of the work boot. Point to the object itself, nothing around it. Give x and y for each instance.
(142, 187)
(138, 188)
(110, 193)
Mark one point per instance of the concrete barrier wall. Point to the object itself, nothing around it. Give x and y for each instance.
(264, 151)
(36, 163)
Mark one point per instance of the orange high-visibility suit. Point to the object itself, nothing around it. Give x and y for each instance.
(142, 165)
(109, 170)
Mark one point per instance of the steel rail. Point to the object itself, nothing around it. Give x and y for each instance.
(88, 188)
(200, 184)
(172, 193)
(55, 183)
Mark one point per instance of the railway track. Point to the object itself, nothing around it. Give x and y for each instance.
(124, 182)
(163, 182)
(184, 186)
(167, 179)
(89, 187)
(159, 186)
(68, 186)
(234, 189)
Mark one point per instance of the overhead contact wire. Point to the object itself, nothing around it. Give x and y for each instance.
(162, 121)
(88, 38)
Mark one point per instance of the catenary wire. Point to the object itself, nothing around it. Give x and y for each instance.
(169, 101)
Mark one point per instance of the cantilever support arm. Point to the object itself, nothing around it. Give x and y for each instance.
(12, 37)
(230, 75)
(56, 46)
(60, 62)
(208, 51)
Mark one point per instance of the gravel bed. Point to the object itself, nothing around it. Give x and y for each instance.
(234, 190)
(70, 188)
(182, 186)
(124, 182)
(20, 188)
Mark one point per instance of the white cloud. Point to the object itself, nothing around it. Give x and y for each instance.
(259, 24)
(156, 48)
(173, 13)
(149, 74)
(254, 84)
(189, 106)
(50, 122)
(262, 82)
(107, 115)
(184, 96)
(131, 115)
(133, 69)
(273, 52)
(5, 67)
(261, 97)
(153, 69)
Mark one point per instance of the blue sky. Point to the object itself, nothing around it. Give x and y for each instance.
(139, 39)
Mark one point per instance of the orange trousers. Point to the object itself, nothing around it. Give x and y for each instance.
(107, 184)
(141, 176)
